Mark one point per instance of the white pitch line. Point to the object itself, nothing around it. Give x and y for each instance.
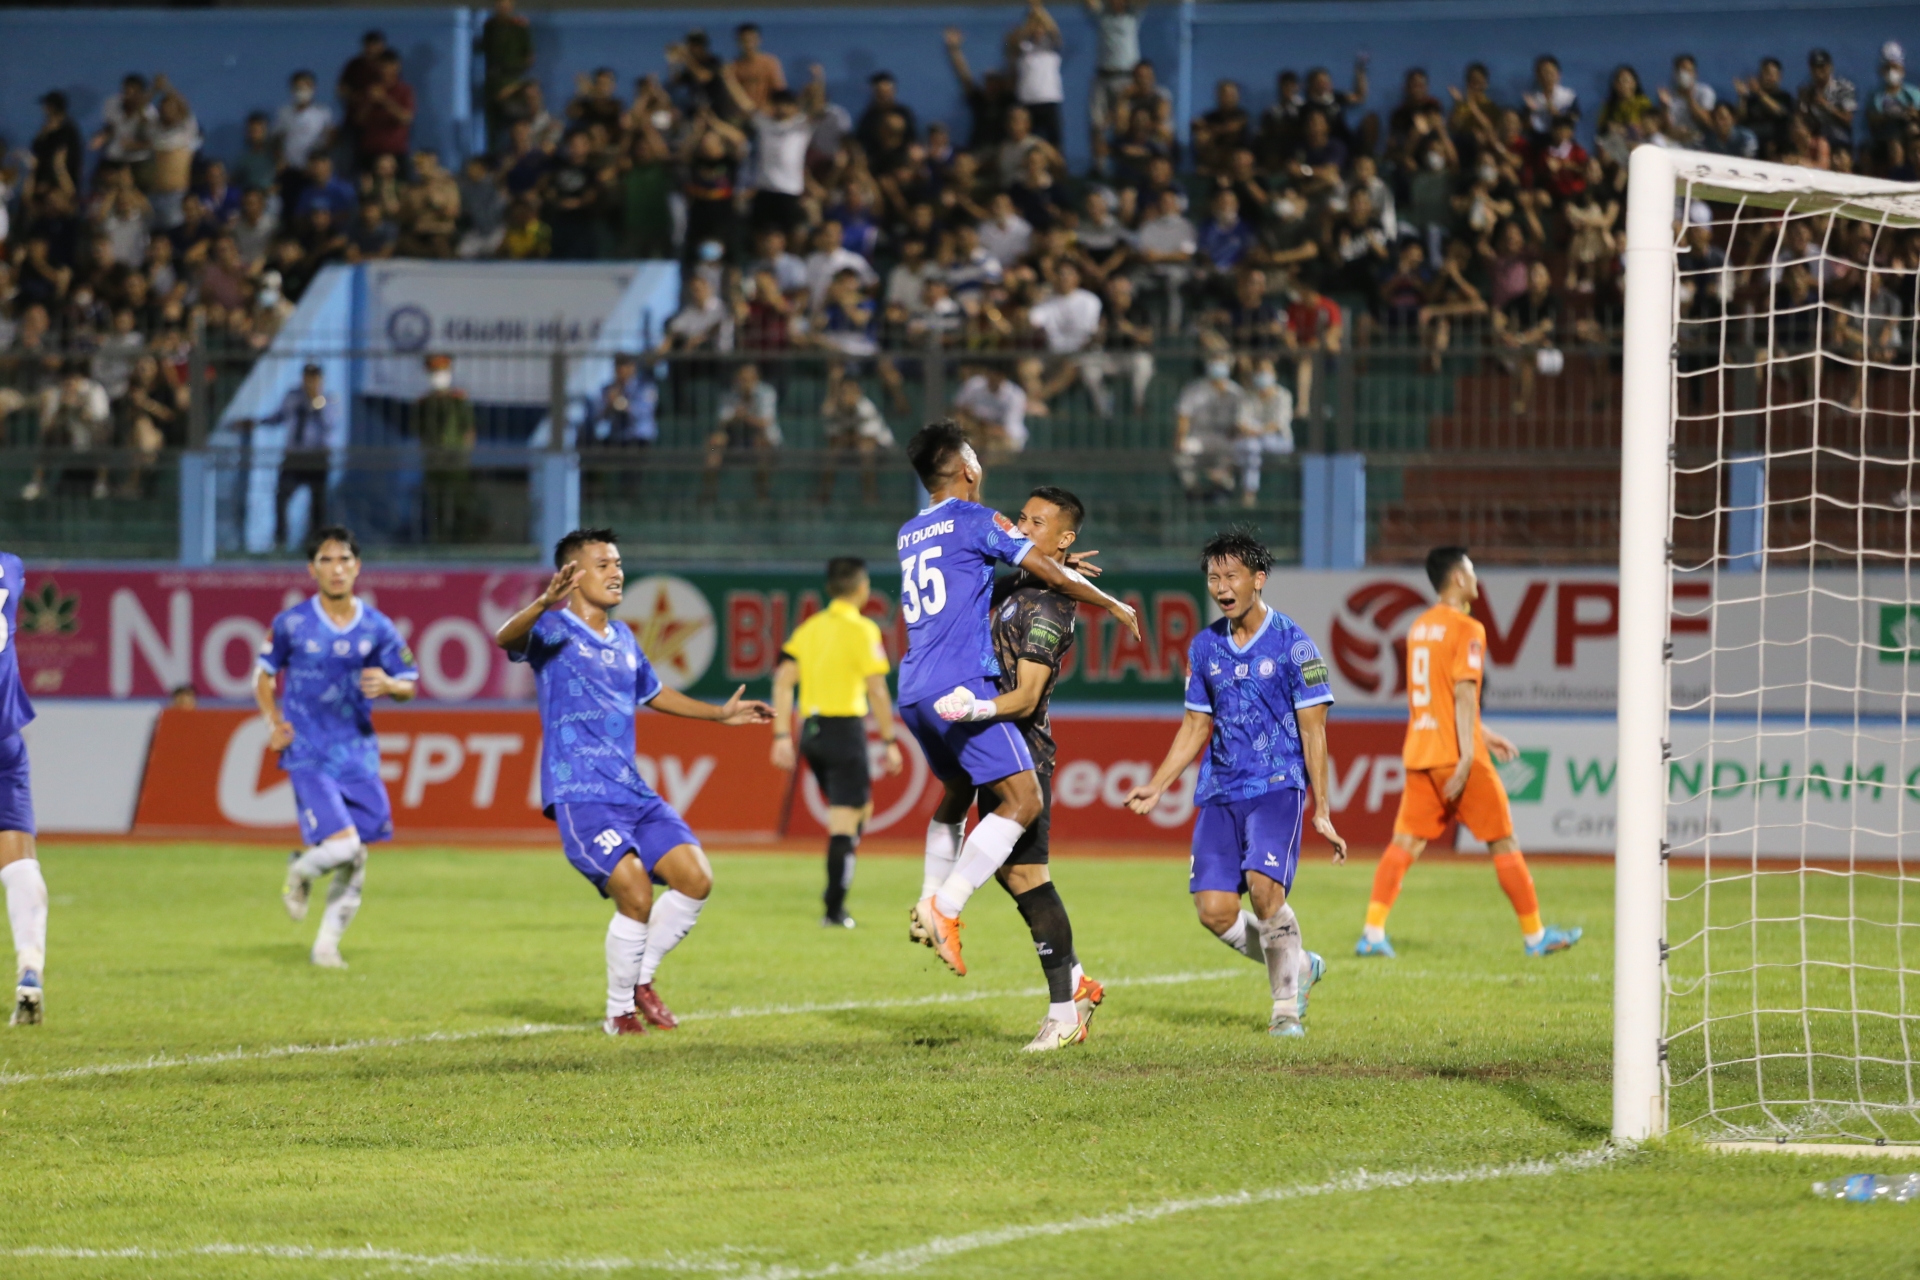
(895, 1262)
(160, 1062)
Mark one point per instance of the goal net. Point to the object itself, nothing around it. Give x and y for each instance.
(1768, 971)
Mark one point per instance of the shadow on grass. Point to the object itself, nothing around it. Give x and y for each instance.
(1547, 1108)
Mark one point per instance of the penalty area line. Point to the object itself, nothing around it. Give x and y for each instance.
(895, 1262)
(162, 1062)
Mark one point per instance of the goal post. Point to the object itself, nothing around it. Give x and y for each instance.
(1767, 928)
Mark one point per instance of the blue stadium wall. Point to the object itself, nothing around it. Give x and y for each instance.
(231, 61)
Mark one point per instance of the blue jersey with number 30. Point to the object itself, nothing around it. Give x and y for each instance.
(15, 708)
(946, 594)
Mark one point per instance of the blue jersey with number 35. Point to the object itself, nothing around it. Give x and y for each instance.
(946, 594)
(15, 708)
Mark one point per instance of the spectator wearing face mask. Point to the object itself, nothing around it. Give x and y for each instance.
(302, 129)
(444, 423)
(1689, 103)
(1265, 426)
(1893, 112)
(1206, 424)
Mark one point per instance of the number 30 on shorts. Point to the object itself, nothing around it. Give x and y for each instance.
(923, 590)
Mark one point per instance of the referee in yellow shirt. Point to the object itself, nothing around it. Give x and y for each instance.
(840, 665)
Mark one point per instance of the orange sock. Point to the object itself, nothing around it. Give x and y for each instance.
(1517, 883)
(1386, 884)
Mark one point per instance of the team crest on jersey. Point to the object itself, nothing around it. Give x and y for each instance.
(366, 647)
(1011, 605)
(341, 648)
(1239, 671)
(606, 657)
(1266, 668)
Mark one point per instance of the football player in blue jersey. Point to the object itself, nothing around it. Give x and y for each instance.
(947, 690)
(19, 861)
(592, 677)
(1257, 701)
(337, 653)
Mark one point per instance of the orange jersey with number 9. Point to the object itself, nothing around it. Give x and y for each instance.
(1444, 647)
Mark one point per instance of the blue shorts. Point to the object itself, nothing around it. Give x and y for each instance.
(982, 751)
(1233, 837)
(596, 836)
(16, 786)
(328, 804)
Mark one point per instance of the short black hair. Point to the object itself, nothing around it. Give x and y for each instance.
(1440, 564)
(301, 74)
(934, 448)
(842, 573)
(1238, 543)
(331, 533)
(745, 27)
(563, 550)
(1071, 507)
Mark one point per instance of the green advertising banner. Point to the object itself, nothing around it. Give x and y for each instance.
(707, 632)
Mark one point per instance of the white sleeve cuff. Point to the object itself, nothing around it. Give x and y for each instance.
(1201, 707)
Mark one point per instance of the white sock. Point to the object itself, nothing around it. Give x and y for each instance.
(943, 850)
(325, 856)
(1078, 974)
(1375, 933)
(1243, 935)
(1280, 935)
(1533, 939)
(1067, 1012)
(673, 918)
(27, 911)
(343, 902)
(626, 948)
(986, 850)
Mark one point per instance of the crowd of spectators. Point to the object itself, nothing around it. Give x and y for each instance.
(1288, 226)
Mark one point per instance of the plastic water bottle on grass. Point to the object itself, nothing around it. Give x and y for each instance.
(1866, 1187)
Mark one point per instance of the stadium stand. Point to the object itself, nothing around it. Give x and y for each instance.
(1425, 273)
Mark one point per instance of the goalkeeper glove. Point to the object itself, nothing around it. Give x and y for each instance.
(962, 705)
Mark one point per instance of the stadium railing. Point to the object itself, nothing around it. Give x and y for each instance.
(1451, 452)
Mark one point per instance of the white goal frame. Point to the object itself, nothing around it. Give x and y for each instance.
(1646, 519)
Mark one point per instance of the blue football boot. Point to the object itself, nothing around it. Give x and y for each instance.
(1365, 947)
(1554, 939)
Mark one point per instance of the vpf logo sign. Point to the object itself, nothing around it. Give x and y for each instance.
(1371, 625)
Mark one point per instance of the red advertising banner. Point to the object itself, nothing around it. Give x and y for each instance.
(472, 774)
(134, 633)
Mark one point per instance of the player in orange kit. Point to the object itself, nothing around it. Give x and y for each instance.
(1450, 774)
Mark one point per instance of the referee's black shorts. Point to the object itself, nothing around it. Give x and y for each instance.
(836, 751)
(1030, 850)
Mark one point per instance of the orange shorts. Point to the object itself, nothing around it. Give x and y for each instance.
(1482, 806)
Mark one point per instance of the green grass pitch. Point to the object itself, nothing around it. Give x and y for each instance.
(898, 1131)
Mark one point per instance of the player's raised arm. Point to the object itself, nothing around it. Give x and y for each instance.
(735, 710)
(513, 633)
(1196, 727)
(1313, 745)
(1076, 587)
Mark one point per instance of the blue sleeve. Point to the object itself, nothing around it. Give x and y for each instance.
(1307, 676)
(394, 657)
(997, 539)
(277, 647)
(1199, 697)
(543, 641)
(281, 414)
(646, 681)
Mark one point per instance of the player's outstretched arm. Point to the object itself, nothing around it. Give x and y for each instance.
(735, 710)
(784, 677)
(281, 736)
(1313, 744)
(1195, 728)
(513, 633)
(1499, 744)
(1075, 587)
